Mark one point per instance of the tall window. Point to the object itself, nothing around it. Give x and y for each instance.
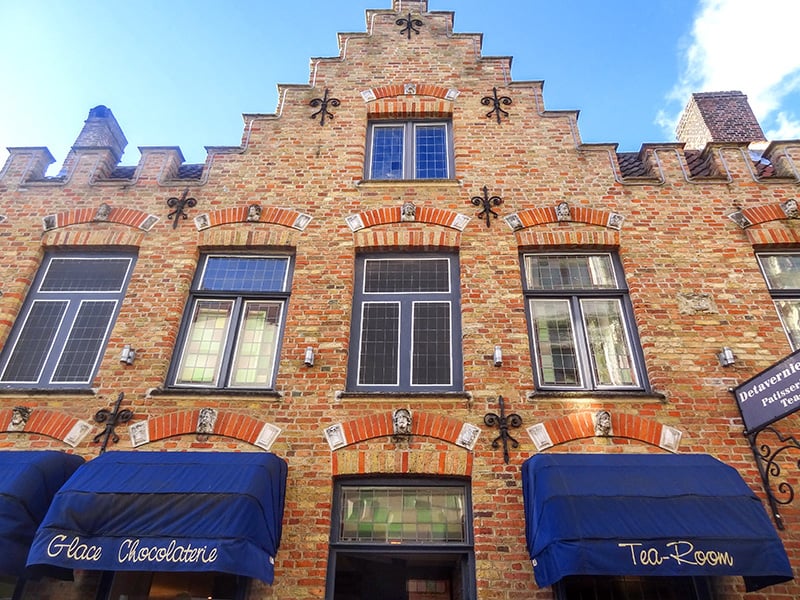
(782, 272)
(409, 150)
(401, 539)
(60, 336)
(406, 324)
(231, 332)
(581, 324)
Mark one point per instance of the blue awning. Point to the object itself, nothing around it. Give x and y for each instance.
(166, 511)
(28, 482)
(646, 515)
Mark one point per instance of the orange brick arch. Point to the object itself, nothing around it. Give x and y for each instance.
(424, 214)
(409, 101)
(532, 217)
(380, 425)
(50, 423)
(232, 425)
(123, 216)
(762, 214)
(580, 425)
(269, 214)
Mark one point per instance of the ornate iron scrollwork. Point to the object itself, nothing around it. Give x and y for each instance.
(323, 104)
(496, 101)
(503, 422)
(487, 202)
(179, 205)
(410, 25)
(771, 462)
(111, 419)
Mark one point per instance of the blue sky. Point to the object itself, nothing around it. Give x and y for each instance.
(181, 72)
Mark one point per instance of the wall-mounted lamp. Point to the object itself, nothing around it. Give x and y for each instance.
(726, 357)
(128, 354)
(308, 360)
(497, 356)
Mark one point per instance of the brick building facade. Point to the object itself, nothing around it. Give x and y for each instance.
(410, 252)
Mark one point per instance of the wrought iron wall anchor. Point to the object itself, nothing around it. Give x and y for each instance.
(111, 419)
(410, 25)
(769, 466)
(487, 202)
(496, 101)
(179, 204)
(503, 422)
(323, 103)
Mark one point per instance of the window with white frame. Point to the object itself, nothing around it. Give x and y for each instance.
(62, 331)
(231, 333)
(409, 150)
(582, 330)
(406, 324)
(782, 273)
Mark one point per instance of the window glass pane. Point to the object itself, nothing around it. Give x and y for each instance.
(430, 351)
(35, 340)
(85, 275)
(554, 339)
(380, 344)
(406, 275)
(205, 342)
(789, 311)
(577, 587)
(85, 342)
(565, 272)
(782, 271)
(255, 348)
(430, 151)
(391, 514)
(245, 274)
(608, 343)
(172, 585)
(387, 152)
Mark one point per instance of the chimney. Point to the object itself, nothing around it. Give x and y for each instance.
(100, 132)
(718, 117)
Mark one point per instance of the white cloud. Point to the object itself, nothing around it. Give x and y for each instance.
(743, 45)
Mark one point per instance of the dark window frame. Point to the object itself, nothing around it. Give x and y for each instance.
(239, 300)
(782, 294)
(64, 339)
(409, 150)
(574, 296)
(602, 588)
(460, 553)
(407, 302)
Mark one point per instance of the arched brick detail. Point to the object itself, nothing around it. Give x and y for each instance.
(92, 237)
(269, 214)
(580, 425)
(578, 214)
(762, 214)
(773, 233)
(431, 239)
(393, 102)
(424, 214)
(122, 216)
(228, 424)
(50, 423)
(450, 461)
(399, 89)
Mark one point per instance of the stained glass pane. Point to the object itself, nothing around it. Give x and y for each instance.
(389, 514)
(255, 348)
(245, 273)
(380, 344)
(430, 351)
(569, 272)
(406, 275)
(555, 342)
(608, 343)
(35, 340)
(430, 151)
(387, 152)
(205, 342)
(85, 341)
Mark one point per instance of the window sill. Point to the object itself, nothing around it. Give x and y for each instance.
(48, 391)
(272, 394)
(604, 395)
(346, 395)
(381, 183)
